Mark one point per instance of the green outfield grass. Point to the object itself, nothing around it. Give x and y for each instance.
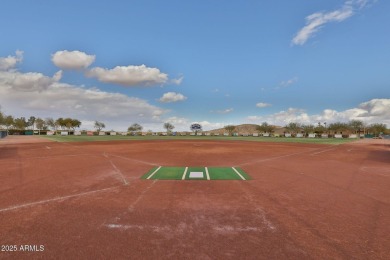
(84, 138)
(180, 173)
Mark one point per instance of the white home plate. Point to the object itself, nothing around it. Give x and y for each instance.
(196, 174)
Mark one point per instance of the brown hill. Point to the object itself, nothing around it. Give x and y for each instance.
(244, 129)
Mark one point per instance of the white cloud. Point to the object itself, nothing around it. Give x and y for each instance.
(72, 59)
(316, 21)
(27, 82)
(177, 81)
(35, 94)
(11, 61)
(286, 83)
(206, 125)
(262, 105)
(170, 97)
(224, 111)
(373, 111)
(129, 75)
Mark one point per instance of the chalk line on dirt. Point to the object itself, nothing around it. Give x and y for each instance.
(278, 157)
(55, 199)
(116, 170)
(134, 160)
(132, 205)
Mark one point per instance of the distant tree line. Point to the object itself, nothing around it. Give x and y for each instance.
(8, 122)
(354, 126)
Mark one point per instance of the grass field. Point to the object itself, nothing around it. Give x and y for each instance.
(82, 138)
(184, 173)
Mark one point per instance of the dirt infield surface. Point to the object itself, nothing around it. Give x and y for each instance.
(87, 201)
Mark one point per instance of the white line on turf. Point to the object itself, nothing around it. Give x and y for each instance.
(239, 174)
(207, 173)
(184, 174)
(150, 176)
(55, 199)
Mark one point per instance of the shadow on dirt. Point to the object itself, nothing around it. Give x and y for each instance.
(380, 156)
(8, 152)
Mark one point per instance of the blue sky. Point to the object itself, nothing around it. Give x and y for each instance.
(212, 62)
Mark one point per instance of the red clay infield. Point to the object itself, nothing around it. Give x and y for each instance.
(304, 201)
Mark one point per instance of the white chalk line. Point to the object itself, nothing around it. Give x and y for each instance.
(184, 174)
(134, 160)
(274, 158)
(119, 173)
(239, 174)
(150, 176)
(207, 173)
(116, 170)
(167, 228)
(132, 205)
(60, 155)
(55, 199)
(324, 151)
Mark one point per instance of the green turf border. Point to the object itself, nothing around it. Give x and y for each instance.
(82, 138)
(176, 173)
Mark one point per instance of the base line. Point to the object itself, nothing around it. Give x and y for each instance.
(150, 176)
(184, 174)
(56, 199)
(239, 174)
(324, 151)
(207, 173)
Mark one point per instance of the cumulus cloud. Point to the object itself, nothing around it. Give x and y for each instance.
(73, 60)
(36, 94)
(224, 111)
(129, 75)
(373, 111)
(27, 82)
(11, 61)
(262, 105)
(171, 97)
(318, 20)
